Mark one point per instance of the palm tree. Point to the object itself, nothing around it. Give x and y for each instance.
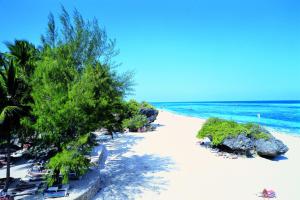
(11, 108)
(24, 53)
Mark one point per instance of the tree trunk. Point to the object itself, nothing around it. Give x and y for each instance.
(112, 135)
(56, 177)
(7, 165)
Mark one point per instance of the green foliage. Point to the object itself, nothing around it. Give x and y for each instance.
(65, 162)
(25, 54)
(85, 41)
(67, 88)
(12, 105)
(145, 104)
(132, 118)
(135, 122)
(133, 107)
(84, 143)
(256, 131)
(9, 112)
(71, 159)
(75, 88)
(51, 81)
(16, 68)
(219, 129)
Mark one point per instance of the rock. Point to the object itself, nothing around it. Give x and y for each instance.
(241, 143)
(150, 127)
(150, 113)
(247, 144)
(205, 142)
(270, 148)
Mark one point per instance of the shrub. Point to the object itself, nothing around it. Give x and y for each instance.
(257, 132)
(135, 122)
(71, 159)
(83, 144)
(132, 107)
(65, 162)
(145, 104)
(219, 129)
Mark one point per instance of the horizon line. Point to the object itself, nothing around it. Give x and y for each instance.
(232, 101)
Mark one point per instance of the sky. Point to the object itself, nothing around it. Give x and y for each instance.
(190, 50)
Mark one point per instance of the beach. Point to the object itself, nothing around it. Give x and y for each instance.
(177, 101)
(169, 163)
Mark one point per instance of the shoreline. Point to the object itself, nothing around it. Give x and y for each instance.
(271, 129)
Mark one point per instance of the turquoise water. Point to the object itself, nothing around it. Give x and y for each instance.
(283, 116)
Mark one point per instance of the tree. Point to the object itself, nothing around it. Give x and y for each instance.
(86, 42)
(52, 79)
(25, 54)
(75, 88)
(70, 159)
(65, 89)
(11, 108)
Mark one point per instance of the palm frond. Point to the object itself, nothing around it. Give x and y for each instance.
(23, 52)
(10, 112)
(21, 49)
(2, 92)
(2, 59)
(3, 66)
(2, 74)
(11, 79)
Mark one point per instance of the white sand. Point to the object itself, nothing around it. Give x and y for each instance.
(169, 164)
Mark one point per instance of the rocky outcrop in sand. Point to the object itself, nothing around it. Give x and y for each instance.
(243, 144)
(271, 147)
(150, 113)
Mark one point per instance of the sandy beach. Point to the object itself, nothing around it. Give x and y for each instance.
(169, 164)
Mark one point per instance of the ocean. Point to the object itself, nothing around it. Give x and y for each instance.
(283, 116)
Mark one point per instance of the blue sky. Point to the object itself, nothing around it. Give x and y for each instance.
(187, 50)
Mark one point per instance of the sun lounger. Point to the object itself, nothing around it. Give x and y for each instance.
(38, 170)
(55, 192)
(38, 173)
(18, 153)
(33, 178)
(22, 192)
(25, 185)
(74, 176)
(23, 188)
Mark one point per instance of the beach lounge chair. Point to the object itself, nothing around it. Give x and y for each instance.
(38, 170)
(33, 178)
(23, 192)
(23, 188)
(18, 154)
(74, 176)
(55, 192)
(25, 185)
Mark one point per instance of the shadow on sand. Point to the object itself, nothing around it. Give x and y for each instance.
(157, 125)
(277, 158)
(126, 175)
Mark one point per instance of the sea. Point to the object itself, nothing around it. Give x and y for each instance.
(281, 116)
